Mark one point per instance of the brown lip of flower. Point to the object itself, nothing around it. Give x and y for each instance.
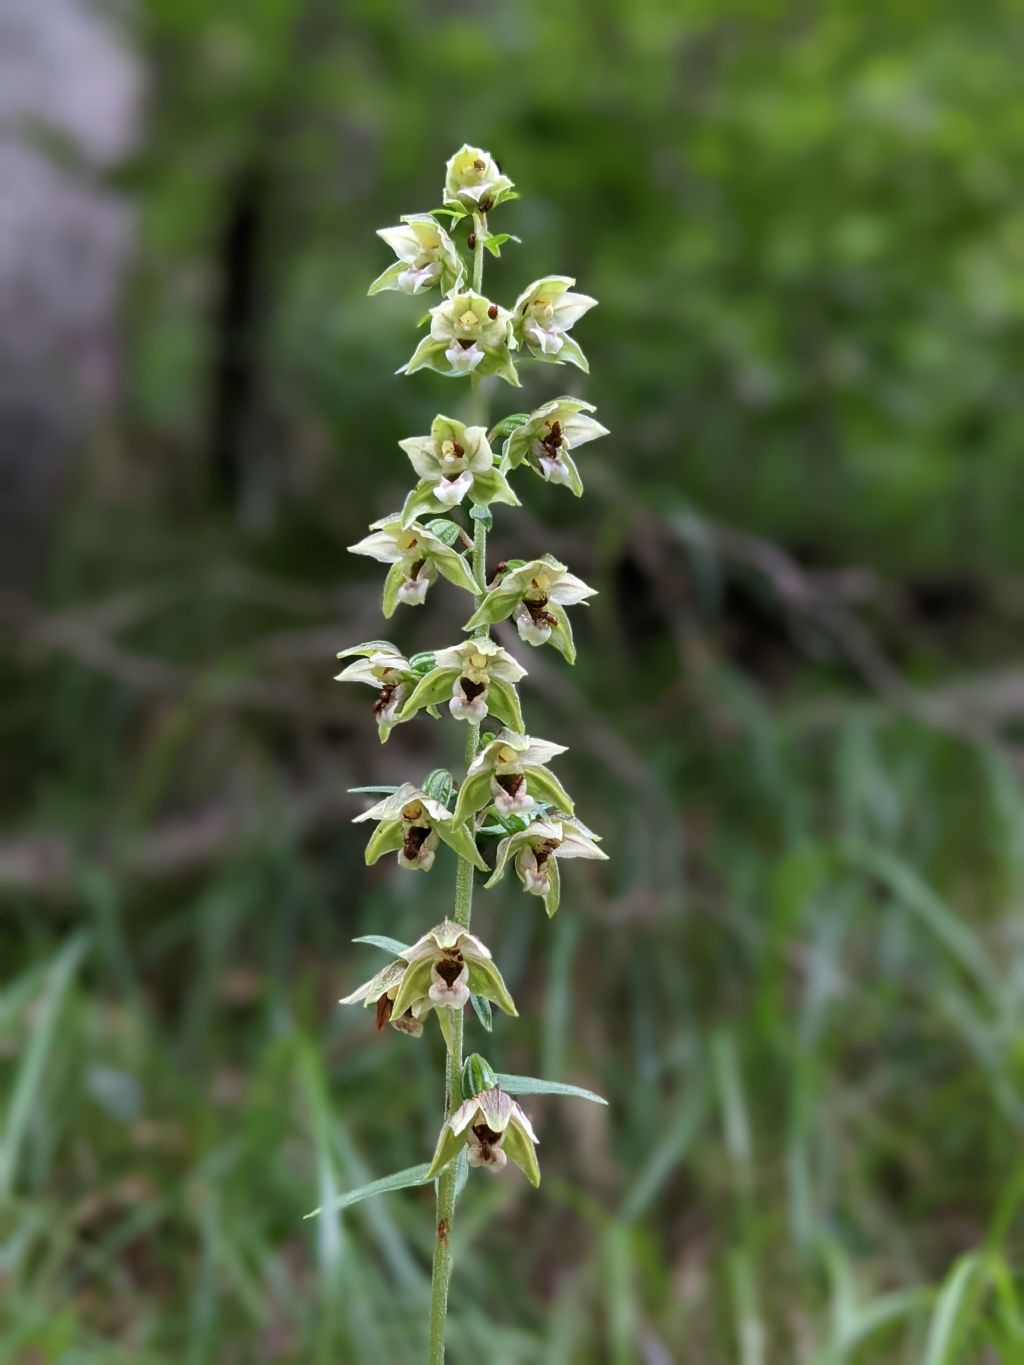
(415, 838)
(449, 968)
(471, 690)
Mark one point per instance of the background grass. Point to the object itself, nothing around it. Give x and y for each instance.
(796, 716)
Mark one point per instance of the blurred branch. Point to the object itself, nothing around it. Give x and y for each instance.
(52, 864)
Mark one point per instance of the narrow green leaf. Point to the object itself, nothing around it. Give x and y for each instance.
(532, 1085)
(482, 1009)
(389, 945)
(27, 1088)
(401, 1180)
(373, 791)
(954, 1310)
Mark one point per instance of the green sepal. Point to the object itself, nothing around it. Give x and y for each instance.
(544, 786)
(474, 794)
(439, 786)
(449, 1145)
(554, 893)
(434, 688)
(386, 277)
(423, 357)
(415, 984)
(372, 791)
(392, 583)
(503, 702)
(492, 486)
(521, 1150)
(368, 647)
(452, 565)
(509, 845)
(422, 663)
(497, 604)
(462, 842)
(561, 635)
(386, 838)
(421, 499)
(501, 365)
(485, 980)
(574, 482)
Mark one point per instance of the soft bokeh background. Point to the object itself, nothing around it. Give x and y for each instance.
(797, 716)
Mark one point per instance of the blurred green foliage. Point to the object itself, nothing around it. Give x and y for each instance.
(800, 981)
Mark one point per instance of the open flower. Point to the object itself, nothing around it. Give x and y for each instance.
(492, 1128)
(439, 971)
(410, 823)
(468, 335)
(511, 772)
(535, 595)
(477, 676)
(416, 555)
(474, 181)
(446, 966)
(426, 256)
(536, 851)
(453, 461)
(380, 665)
(545, 439)
(382, 990)
(543, 315)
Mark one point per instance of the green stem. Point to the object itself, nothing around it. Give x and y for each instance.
(441, 1273)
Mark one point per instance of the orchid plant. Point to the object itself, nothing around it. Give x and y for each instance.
(510, 808)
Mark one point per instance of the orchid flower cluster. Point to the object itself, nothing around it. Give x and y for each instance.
(510, 810)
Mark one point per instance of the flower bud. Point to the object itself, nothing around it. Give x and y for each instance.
(477, 1075)
(474, 182)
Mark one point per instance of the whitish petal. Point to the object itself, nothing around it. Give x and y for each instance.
(371, 991)
(496, 1108)
(567, 590)
(571, 307)
(403, 241)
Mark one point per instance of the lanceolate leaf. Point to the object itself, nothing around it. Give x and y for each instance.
(388, 945)
(401, 1180)
(482, 1009)
(532, 1085)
